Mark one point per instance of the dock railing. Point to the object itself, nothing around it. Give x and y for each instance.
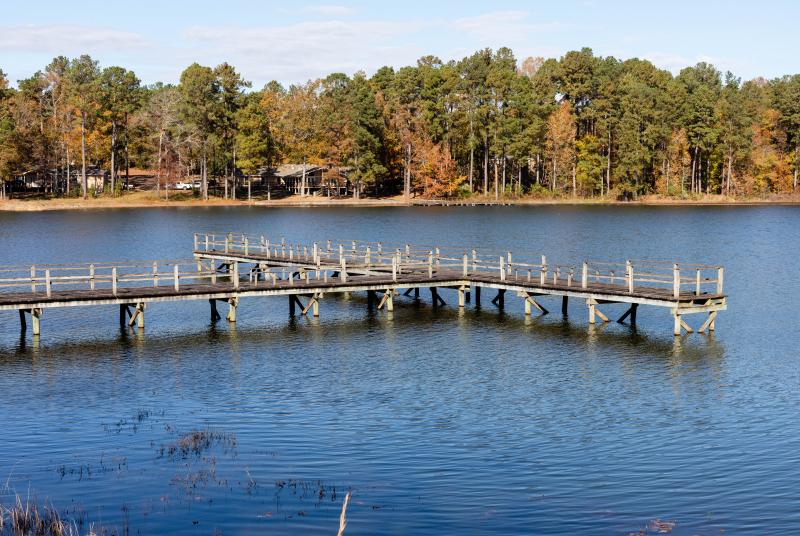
(696, 279)
(398, 258)
(46, 278)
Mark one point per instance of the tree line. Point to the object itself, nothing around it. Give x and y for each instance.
(582, 125)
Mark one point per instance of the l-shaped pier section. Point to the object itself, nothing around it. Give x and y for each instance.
(227, 267)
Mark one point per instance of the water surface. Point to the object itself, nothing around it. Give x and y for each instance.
(438, 420)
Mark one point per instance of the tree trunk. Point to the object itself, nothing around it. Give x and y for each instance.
(69, 171)
(574, 181)
(84, 182)
(486, 165)
(127, 154)
(407, 174)
(204, 175)
(113, 151)
(472, 166)
(303, 181)
(233, 177)
(158, 178)
(496, 185)
(504, 175)
(608, 164)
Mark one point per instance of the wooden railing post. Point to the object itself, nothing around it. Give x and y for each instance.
(466, 264)
(235, 274)
(697, 283)
(195, 241)
(91, 276)
(585, 275)
(114, 280)
(502, 268)
(176, 278)
(676, 281)
(33, 278)
(430, 264)
(343, 268)
(394, 269)
(720, 278)
(629, 275)
(47, 286)
(474, 260)
(246, 246)
(155, 274)
(367, 257)
(227, 243)
(315, 252)
(543, 271)
(206, 242)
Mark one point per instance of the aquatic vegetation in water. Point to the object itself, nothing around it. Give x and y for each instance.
(196, 443)
(26, 518)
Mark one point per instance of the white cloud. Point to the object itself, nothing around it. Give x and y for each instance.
(67, 39)
(329, 10)
(306, 49)
(505, 27)
(675, 62)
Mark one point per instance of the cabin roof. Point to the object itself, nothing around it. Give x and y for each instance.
(294, 170)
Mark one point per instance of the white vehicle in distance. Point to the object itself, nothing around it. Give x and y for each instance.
(186, 185)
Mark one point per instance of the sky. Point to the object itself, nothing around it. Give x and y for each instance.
(296, 40)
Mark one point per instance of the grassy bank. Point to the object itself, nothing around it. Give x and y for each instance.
(147, 199)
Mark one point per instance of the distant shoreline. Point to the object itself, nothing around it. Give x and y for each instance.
(147, 200)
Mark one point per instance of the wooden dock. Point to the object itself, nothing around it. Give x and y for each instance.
(227, 267)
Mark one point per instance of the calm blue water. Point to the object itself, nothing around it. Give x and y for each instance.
(439, 421)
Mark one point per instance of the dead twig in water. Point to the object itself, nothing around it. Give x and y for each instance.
(342, 518)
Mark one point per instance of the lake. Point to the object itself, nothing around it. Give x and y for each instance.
(438, 421)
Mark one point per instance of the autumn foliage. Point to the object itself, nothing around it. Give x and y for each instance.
(580, 125)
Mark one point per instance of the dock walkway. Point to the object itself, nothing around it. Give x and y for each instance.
(227, 267)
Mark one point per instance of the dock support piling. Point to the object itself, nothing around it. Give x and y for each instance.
(530, 301)
(477, 297)
(435, 298)
(565, 306)
(137, 316)
(233, 302)
(461, 297)
(214, 313)
(630, 312)
(23, 322)
(36, 314)
(387, 300)
(500, 299)
(594, 311)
